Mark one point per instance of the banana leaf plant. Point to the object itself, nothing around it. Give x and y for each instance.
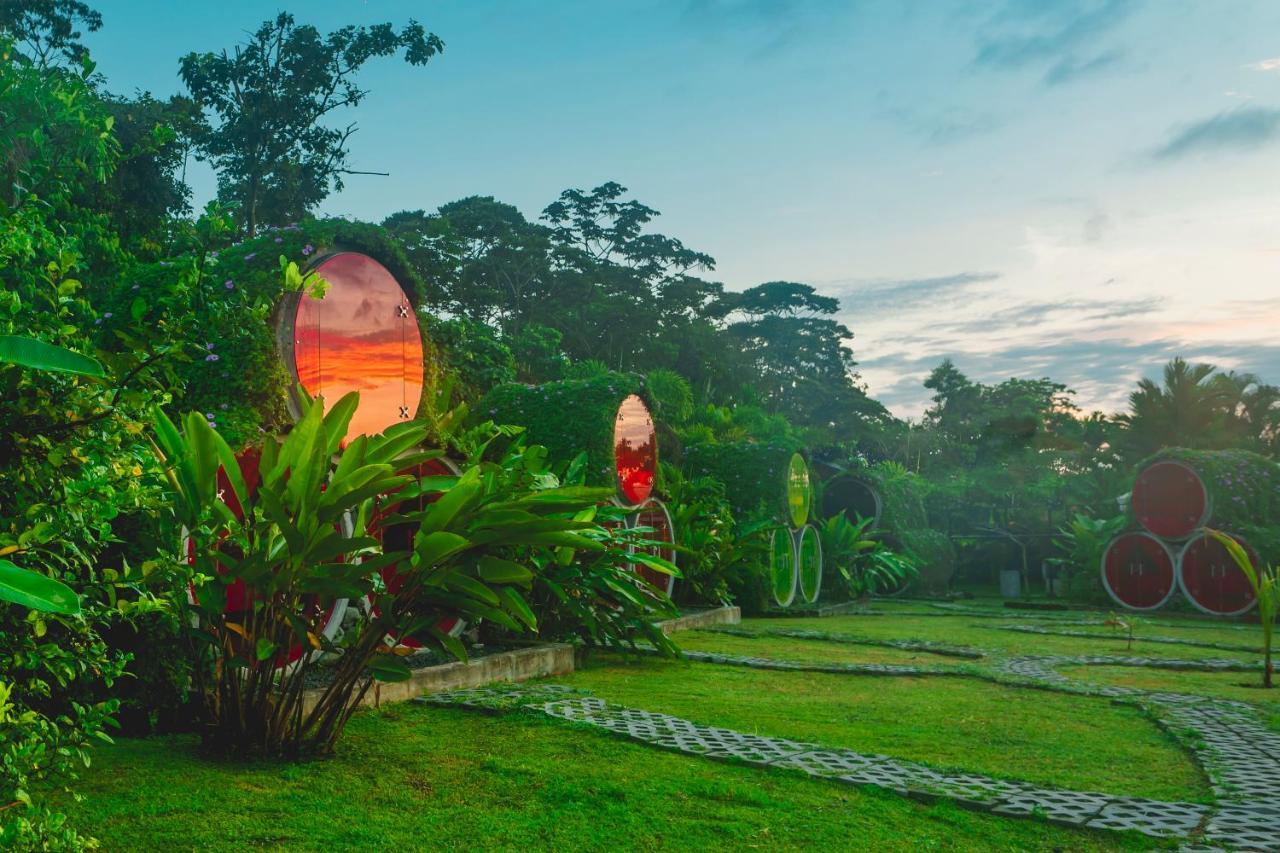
(263, 580)
(595, 597)
(865, 562)
(1265, 581)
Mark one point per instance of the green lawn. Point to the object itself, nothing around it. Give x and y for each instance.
(1084, 743)
(418, 777)
(415, 776)
(1239, 686)
(785, 648)
(986, 634)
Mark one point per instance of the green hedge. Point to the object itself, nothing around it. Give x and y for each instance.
(569, 416)
(754, 474)
(222, 307)
(1244, 493)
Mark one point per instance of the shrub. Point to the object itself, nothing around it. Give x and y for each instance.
(569, 416)
(285, 555)
(858, 562)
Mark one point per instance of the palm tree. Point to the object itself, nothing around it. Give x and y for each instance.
(1192, 408)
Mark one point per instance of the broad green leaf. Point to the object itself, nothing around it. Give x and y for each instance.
(264, 648)
(388, 667)
(39, 592)
(38, 355)
(470, 587)
(496, 570)
(433, 548)
(515, 604)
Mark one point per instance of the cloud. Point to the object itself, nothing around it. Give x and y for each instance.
(779, 23)
(1070, 68)
(934, 120)
(1033, 32)
(1272, 64)
(1102, 371)
(885, 296)
(1241, 129)
(1022, 317)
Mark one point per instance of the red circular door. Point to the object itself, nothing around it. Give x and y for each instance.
(361, 336)
(398, 536)
(1137, 570)
(635, 451)
(1170, 500)
(1212, 581)
(654, 514)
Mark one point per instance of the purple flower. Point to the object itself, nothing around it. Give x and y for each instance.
(208, 346)
(308, 249)
(208, 416)
(211, 357)
(97, 322)
(108, 315)
(229, 284)
(251, 256)
(214, 255)
(279, 239)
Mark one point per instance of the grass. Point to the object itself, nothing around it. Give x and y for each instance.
(1238, 686)
(785, 648)
(419, 777)
(986, 634)
(1083, 743)
(414, 776)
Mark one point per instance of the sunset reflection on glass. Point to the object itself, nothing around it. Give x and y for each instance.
(361, 336)
(635, 450)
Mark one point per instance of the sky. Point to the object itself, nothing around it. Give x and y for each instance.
(1079, 189)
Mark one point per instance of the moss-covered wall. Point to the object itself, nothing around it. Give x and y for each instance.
(754, 473)
(568, 417)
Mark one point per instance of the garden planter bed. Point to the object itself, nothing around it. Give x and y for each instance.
(513, 665)
(727, 615)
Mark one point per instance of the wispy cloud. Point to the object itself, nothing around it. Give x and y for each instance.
(878, 297)
(1072, 68)
(1030, 315)
(1240, 129)
(1031, 32)
(778, 24)
(1272, 64)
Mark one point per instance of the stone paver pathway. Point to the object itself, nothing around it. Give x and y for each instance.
(1143, 638)
(1239, 753)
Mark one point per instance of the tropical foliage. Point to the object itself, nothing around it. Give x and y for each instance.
(1265, 581)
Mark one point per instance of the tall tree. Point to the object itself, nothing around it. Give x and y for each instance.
(490, 260)
(798, 360)
(48, 31)
(266, 100)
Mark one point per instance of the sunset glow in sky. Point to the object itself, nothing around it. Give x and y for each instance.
(1073, 188)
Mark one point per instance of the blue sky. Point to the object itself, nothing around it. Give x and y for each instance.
(1072, 188)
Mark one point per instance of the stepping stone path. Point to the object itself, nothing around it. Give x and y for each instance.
(1240, 754)
(1176, 641)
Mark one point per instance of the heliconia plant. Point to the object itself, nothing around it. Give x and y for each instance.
(1266, 586)
(300, 541)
